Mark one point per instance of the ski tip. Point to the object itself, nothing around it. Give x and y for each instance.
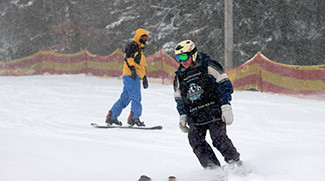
(171, 178)
(144, 178)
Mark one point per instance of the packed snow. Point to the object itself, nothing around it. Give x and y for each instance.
(45, 134)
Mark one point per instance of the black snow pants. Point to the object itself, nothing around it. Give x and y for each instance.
(220, 140)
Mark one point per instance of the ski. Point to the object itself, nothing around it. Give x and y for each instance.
(126, 127)
(146, 178)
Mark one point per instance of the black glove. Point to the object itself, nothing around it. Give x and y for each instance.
(134, 73)
(145, 82)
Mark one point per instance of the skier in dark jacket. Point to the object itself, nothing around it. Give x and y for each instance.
(202, 92)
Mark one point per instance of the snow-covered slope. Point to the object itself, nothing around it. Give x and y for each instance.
(45, 134)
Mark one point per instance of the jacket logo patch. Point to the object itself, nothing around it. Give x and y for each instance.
(194, 92)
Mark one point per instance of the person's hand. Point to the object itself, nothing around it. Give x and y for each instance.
(226, 114)
(145, 82)
(183, 123)
(134, 72)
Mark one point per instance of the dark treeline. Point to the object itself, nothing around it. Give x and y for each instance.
(286, 31)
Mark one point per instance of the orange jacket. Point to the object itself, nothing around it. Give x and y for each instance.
(134, 55)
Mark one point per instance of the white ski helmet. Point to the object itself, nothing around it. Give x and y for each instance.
(186, 46)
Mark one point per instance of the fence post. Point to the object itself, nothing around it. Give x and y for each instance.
(8, 67)
(260, 80)
(40, 60)
(162, 67)
(86, 62)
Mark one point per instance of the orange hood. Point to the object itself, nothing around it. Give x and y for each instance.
(137, 36)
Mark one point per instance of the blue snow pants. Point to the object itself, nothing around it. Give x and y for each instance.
(131, 93)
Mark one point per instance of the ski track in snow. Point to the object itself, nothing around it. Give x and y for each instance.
(45, 134)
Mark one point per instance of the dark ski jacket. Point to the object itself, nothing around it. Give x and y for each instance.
(200, 91)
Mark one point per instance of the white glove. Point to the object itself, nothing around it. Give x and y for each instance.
(227, 115)
(182, 123)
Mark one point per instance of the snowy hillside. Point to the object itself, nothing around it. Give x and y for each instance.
(45, 134)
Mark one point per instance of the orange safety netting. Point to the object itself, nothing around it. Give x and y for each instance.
(259, 73)
(264, 75)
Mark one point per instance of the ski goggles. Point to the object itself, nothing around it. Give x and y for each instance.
(144, 37)
(182, 57)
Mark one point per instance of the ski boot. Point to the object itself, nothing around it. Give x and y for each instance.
(110, 121)
(236, 162)
(134, 121)
(237, 167)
